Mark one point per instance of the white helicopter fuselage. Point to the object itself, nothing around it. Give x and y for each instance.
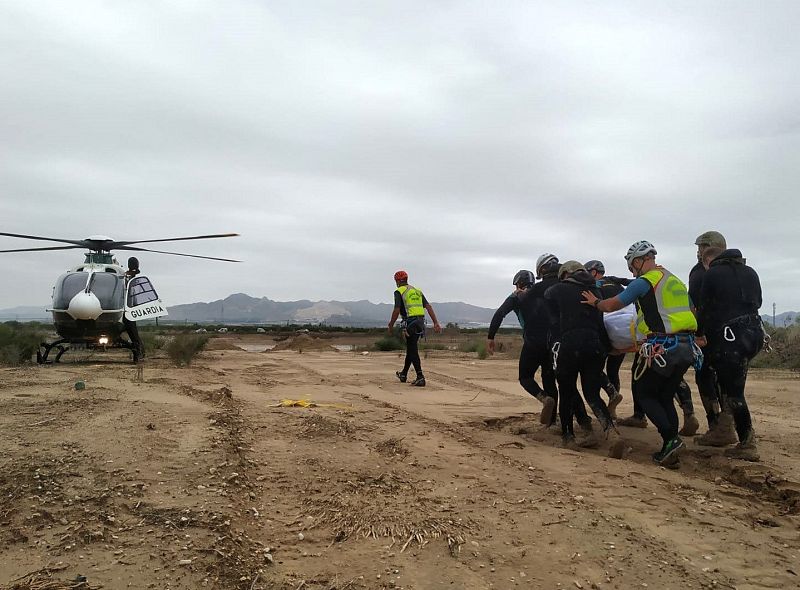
(91, 300)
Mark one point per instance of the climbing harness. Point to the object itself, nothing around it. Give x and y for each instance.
(418, 330)
(651, 352)
(656, 349)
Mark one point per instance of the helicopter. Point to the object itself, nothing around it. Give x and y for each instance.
(97, 301)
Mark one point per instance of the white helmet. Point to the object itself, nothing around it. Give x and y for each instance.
(639, 249)
(546, 261)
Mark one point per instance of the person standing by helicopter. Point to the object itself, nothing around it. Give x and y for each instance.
(130, 326)
(410, 303)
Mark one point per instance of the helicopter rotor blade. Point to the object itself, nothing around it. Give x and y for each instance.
(118, 244)
(42, 249)
(174, 253)
(79, 243)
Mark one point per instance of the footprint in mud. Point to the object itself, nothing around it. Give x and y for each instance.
(501, 423)
(515, 444)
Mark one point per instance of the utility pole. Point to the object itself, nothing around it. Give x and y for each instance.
(774, 325)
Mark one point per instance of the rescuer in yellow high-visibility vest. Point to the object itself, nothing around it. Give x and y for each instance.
(410, 304)
(665, 316)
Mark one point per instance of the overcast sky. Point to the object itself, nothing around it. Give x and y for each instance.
(344, 140)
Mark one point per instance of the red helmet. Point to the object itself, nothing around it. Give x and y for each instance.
(401, 275)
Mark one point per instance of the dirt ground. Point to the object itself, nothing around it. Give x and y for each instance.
(198, 478)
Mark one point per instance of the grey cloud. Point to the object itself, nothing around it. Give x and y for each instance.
(345, 140)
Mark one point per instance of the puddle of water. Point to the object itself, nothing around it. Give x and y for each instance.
(256, 347)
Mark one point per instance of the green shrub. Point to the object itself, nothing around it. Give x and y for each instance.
(18, 343)
(432, 346)
(785, 343)
(477, 346)
(183, 348)
(470, 346)
(389, 343)
(152, 341)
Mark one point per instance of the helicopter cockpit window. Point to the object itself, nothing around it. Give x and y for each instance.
(141, 291)
(67, 286)
(109, 289)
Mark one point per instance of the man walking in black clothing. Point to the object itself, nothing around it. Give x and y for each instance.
(720, 421)
(531, 357)
(410, 303)
(582, 346)
(541, 350)
(729, 303)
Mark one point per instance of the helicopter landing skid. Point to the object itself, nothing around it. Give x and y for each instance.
(62, 346)
(41, 355)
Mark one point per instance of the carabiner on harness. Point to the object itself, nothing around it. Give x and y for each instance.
(654, 352)
(728, 334)
(555, 349)
(767, 342)
(651, 351)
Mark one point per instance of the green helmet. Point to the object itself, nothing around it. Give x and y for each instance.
(569, 267)
(711, 238)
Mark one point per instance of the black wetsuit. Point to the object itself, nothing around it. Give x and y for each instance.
(131, 328)
(541, 354)
(582, 349)
(705, 378)
(136, 341)
(414, 329)
(525, 305)
(730, 299)
(538, 329)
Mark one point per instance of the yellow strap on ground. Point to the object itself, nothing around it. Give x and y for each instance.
(296, 403)
(304, 403)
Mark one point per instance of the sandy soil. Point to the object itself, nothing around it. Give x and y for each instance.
(196, 478)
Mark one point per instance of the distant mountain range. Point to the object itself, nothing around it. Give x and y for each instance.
(241, 308)
(787, 318)
(25, 313)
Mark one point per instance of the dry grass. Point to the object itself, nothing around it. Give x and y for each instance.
(220, 396)
(386, 506)
(321, 426)
(41, 580)
(392, 447)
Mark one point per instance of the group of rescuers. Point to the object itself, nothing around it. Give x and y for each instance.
(712, 325)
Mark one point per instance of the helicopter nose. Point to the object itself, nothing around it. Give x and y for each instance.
(85, 306)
